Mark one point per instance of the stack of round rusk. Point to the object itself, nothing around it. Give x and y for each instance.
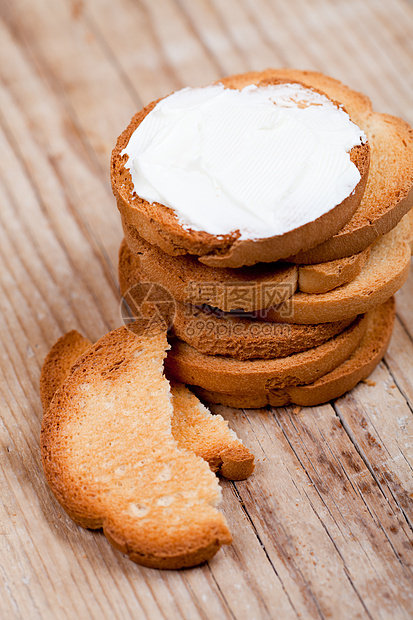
(274, 210)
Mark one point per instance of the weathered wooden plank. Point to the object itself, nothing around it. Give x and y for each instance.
(130, 39)
(184, 52)
(210, 29)
(54, 156)
(323, 528)
(75, 68)
(386, 32)
(404, 306)
(279, 504)
(319, 511)
(399, 361)
(379, 422)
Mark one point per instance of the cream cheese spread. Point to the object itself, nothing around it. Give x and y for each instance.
(262, 160)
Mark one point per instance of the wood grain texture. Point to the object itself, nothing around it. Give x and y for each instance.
(324, 527)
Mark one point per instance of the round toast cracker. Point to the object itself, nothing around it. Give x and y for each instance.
(247, 339)
(388, 194)
(246, 288)
(111, 460)
(334, 384)
(384, 273)
(218, 333)
(222, 374)
(160, 225)
(189, 281)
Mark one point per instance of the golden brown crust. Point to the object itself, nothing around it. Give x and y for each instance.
(247, 288)
(221, 374)
(324, 277)
(59, 362)
(384, 273)
(224, 334)
(208, 436)
(332, 385)
(189, 281)
(126, 482)
(248, 339)
(159, 225)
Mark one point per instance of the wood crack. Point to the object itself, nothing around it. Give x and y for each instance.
(345, 567)
(248, 516)
(369, 466)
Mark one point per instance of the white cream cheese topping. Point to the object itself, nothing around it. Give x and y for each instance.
(262, 160)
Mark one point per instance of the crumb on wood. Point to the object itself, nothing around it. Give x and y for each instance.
(369, 382)
(297, 409)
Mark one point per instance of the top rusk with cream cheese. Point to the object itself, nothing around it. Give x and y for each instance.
(261, 160)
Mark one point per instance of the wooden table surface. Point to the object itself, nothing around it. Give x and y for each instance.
(323, 529)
